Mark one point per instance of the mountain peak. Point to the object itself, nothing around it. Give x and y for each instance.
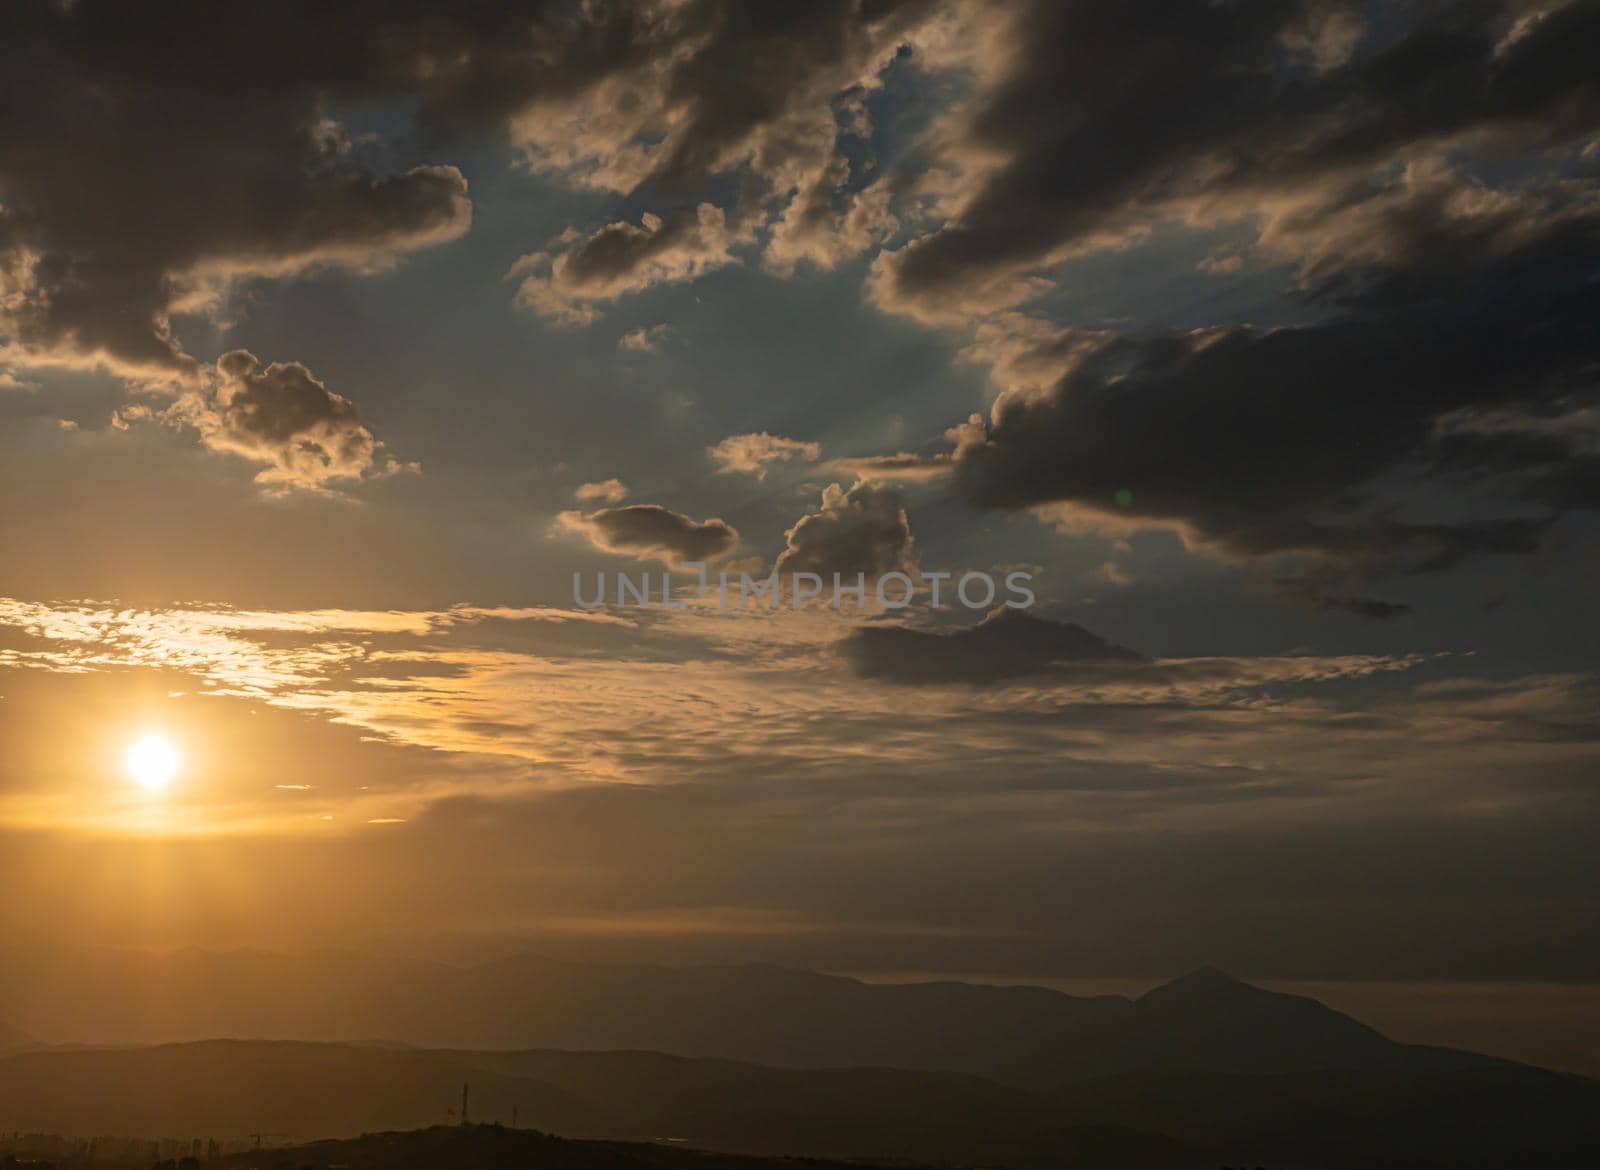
(1201, 981)
(1210, 1019)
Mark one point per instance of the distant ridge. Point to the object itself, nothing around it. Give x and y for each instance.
(1031, 1037)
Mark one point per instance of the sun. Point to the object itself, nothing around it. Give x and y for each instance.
(152, 763)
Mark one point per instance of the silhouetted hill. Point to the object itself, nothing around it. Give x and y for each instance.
(235, 1087)
(1485, 1118)
(1208, 1020)
(492, 1147)
(1027, 1036)
(1478, 1119)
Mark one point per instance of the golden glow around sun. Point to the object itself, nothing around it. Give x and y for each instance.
(152, 763)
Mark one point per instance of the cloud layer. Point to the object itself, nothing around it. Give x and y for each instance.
(1308, 284)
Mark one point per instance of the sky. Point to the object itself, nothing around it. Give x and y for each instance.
(335, 345)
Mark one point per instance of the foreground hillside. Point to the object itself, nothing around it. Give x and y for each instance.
(1484, 1118)
(493, 1147)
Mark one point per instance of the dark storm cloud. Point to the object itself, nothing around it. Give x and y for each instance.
(861, 530)
(1421, 168)
(148, 152)
(650, 531)
(1273, 441)
(1096, 115)
(1107, 114)
(1008, 643)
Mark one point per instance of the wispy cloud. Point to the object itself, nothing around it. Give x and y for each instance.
(762, 697)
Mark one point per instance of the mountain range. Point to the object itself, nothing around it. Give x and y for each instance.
(1201, 1072)
(1031, 1037)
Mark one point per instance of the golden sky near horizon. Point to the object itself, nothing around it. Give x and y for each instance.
(1263, 338)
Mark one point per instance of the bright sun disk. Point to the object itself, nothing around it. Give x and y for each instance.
(152, 762)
